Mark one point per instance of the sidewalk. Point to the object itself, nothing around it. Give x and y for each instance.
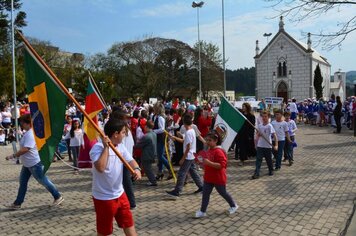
(351, 230)
(313, 197)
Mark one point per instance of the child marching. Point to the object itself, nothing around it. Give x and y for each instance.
(215, 165)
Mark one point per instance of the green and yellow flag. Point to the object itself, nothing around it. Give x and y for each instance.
(47, 106)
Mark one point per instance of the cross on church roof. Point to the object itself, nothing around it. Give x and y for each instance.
(281, 24)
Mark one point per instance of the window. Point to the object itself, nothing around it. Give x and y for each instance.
(282, 68)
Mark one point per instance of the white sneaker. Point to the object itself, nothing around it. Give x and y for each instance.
(232, 210)
(58, 201)
(200, 214)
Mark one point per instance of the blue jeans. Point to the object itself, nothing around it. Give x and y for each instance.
(187, 166)
(75, 154)
(38, 174)
(267, 154)
(161, 159)
(279, 153)
(221, 189)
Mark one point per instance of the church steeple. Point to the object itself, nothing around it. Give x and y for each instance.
(281, 24)
(309, 42)
(257, 48)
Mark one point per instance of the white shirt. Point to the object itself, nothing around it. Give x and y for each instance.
(293, 107)
(265, 131)
(108, 185)
(66, 130)
(129, 142)
(31, 157)
(291, 126)
(78, 138)
(182, 130)
(13, 109)
(72, 110)
(161, 124)
(281, 128)
(190, 138)
(6, 117)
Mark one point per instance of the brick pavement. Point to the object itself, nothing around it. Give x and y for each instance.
(313, 197)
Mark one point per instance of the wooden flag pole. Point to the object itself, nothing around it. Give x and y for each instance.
(249, 122)
(70, 96)
(97, 90)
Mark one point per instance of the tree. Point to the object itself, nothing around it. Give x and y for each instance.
(301, 10)
(5, 48)
(242, 81)
(318, 83)
(211, 62)
(210, 51)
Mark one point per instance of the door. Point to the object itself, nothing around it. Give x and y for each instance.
(282, 91)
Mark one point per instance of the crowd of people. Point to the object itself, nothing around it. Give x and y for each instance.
(334, 112)
(175, 133)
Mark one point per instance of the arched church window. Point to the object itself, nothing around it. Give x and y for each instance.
(282, 68)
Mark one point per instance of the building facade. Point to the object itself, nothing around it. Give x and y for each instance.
(338, 86)
(285, 68)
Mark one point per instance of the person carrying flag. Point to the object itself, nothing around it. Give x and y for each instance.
(32, 165)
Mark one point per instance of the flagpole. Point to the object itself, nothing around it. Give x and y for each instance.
(249, 122)
(70, 96)
(14, 70)
(97, 89)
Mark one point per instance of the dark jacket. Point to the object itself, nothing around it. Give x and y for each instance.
(338, 110)
(148, 143)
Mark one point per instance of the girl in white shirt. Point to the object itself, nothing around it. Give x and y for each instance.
(76, 139)
(6, 117)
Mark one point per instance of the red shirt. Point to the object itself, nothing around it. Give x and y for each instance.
(211, 174)
(204, 125)
(134, 123)
(142, 124)
(176, 118)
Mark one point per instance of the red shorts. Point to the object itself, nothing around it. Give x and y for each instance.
(106, 210)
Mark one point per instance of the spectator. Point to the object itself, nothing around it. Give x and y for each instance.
(338, 114)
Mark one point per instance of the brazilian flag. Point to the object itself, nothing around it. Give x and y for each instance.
(47, 106)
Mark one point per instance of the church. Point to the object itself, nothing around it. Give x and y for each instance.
(285, 68)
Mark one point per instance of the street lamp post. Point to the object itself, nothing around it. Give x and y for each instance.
(267, 35)
(223, 33)
(197, 6)
(14, 69)
(354, 115)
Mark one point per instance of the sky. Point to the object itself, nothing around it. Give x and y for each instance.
(92, 26)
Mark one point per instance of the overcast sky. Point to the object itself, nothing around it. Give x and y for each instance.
(91, 26)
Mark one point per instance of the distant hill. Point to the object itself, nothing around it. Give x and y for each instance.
(350, 77)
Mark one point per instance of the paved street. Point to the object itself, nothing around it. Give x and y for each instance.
(313, 197)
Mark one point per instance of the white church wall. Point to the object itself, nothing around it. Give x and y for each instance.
(297, 62)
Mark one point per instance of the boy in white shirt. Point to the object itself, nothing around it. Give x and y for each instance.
(187, 161)
(264, 144)
(110, 200)
(288, 147)
(281, 129)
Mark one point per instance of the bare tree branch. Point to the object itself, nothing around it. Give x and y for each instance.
(301, 10)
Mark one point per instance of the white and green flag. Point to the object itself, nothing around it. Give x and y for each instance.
(228, 122)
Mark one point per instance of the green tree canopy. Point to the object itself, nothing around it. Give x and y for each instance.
(5, 48)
